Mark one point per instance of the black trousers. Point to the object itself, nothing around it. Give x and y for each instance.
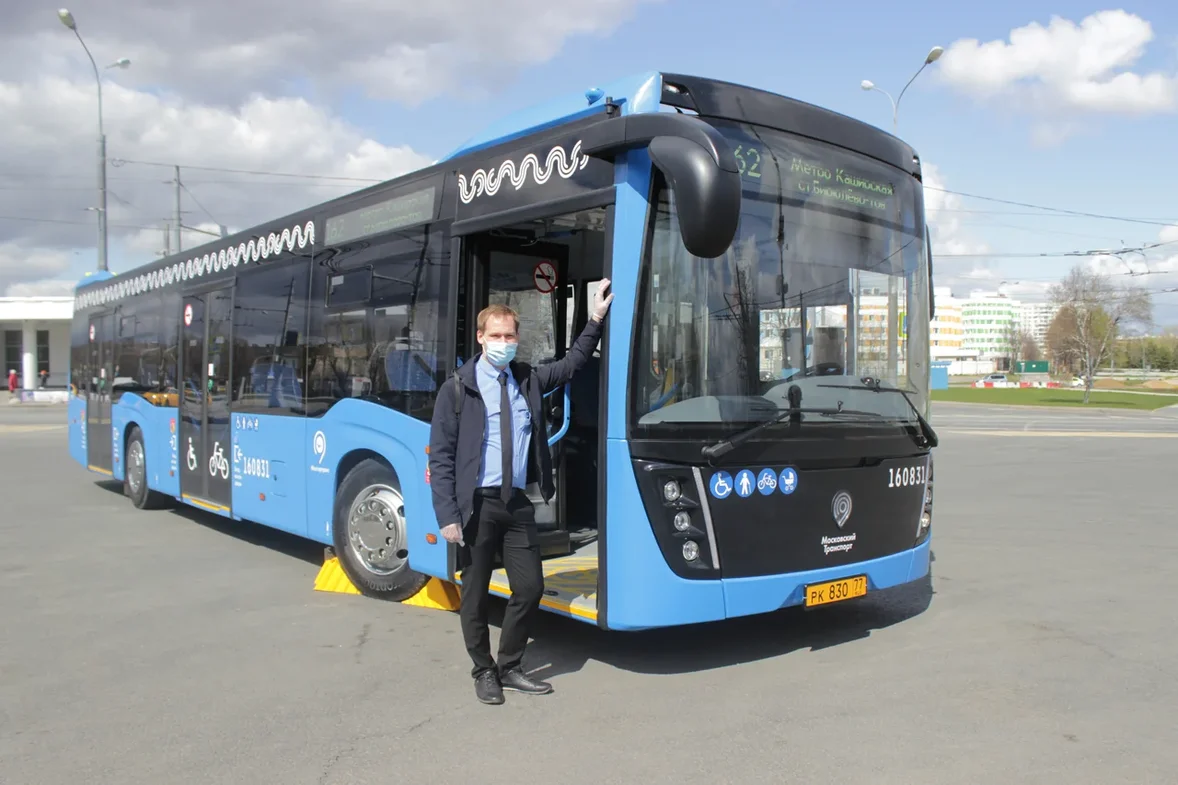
(512, 528)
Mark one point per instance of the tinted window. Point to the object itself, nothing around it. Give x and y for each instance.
(269, 338)
(79, 352)
(170, 321)
(353, 286)
(387, 347)
(137, 346)
(13, 342)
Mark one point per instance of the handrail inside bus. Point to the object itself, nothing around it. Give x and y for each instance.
(564, 426)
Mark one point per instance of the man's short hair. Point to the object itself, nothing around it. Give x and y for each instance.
(497, 309)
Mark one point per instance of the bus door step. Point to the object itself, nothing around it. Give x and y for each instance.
(554, 542)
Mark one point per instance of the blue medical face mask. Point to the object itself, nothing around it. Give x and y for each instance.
(500, 353)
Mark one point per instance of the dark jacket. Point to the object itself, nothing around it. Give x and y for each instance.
(456, 442)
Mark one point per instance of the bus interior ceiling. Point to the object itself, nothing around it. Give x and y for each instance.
(520, 258)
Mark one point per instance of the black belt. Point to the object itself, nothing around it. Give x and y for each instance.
(494, 490)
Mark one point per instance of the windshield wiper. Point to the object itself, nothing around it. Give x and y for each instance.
(794, 410)
(874, 385)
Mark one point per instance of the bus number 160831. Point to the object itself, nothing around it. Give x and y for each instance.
(903, 478)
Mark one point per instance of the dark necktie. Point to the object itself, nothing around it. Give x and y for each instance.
(505, 490)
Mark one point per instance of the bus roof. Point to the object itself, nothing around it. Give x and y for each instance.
(642, 92)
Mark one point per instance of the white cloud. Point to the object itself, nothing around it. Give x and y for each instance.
(223, 50)
(49, 130)
(146, 243)
(236, 91)
(942, 211)
(1162, 262)
(1065, 66)
(1027, 291)
(949, 237)
(41, 288)
(1157, 273)
(20, 266)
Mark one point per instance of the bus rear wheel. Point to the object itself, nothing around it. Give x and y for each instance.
(135, 474)
(370, 533)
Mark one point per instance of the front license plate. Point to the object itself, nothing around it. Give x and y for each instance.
(836, 591)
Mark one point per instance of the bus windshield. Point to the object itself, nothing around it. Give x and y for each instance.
(825, 283)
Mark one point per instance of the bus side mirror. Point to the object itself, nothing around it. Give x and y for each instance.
(698, 162)
(707, 197)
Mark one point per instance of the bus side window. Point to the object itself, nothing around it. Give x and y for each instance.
(269, 329)
(376, 323)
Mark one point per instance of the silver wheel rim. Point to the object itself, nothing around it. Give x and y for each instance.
(136, 467)
(376, 530)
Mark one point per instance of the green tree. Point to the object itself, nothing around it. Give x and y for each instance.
(1091, 311)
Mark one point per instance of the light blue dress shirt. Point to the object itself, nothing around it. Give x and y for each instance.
(490, 471)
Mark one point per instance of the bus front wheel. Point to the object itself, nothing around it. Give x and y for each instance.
(135, 474)
(370, 534)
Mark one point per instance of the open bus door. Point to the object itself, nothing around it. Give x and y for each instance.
(531, 278)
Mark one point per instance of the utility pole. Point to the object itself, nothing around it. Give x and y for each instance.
(179, 242)
(167, 239)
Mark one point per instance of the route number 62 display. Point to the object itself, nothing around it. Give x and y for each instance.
(906, 477)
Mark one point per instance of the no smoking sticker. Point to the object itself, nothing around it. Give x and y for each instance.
(188, 315)
(544, 277)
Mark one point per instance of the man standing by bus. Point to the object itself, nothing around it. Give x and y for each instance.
(482, 454)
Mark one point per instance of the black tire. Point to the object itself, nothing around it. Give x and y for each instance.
(135, 474)
(369, 508)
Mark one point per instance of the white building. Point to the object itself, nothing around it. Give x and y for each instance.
(978, 333)
(1035, 318)
(990, 322)
(947, 337)
(36, 332)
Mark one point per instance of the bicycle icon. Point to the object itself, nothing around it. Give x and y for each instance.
(767, 482)
(218, 463)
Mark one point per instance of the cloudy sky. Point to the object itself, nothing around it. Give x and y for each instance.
(1068, 106)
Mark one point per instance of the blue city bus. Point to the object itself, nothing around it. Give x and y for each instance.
(751, 433)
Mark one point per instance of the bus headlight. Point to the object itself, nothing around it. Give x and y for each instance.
(682, 521)
(690, 550)
(926, 511)
(672, 491)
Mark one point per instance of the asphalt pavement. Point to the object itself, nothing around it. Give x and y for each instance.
(174, 647)
(969, 419)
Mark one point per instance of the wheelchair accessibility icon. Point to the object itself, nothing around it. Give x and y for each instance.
(720, 485)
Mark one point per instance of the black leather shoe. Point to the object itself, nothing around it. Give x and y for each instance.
(487, 688)
(517, 681)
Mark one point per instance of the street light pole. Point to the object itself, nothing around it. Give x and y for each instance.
(933, 55)
(67, 19)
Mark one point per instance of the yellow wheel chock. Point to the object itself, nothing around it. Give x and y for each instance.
(438, 594)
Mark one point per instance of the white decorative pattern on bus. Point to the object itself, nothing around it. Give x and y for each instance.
(487, 181)
(272, 244)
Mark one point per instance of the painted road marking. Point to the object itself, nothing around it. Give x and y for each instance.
(30, 428)
(1098, 434)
